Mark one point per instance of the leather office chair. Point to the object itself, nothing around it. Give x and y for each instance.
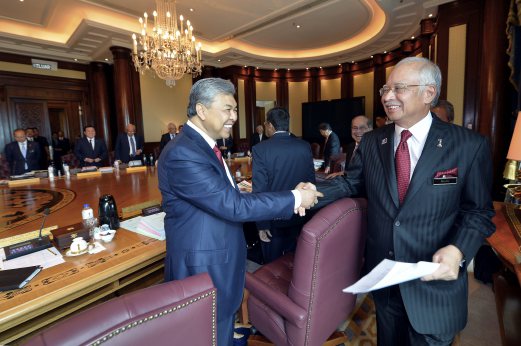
(338, 162)
(298, 300)
(173, 313)
(71, 160)
(315, 149)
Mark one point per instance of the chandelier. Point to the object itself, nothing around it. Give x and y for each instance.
(170, 49)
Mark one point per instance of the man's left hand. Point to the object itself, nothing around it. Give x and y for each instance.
(449, 258)
(139, 151)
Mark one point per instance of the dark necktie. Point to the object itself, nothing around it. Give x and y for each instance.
(132, 146)
(91, 143)
(218, 154)
(403, 165)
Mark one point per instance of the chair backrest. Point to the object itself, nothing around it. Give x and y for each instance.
(174, 313)
(71, 160)
(315, 149)
(328, 258)
(5, 171)
(338, 162)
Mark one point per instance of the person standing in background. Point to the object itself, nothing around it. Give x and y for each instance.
(167, 137)
(89, 150)
(129, 146)
(331, 145)
(278, 165)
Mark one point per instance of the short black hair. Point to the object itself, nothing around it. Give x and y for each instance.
(87, 126)
(279, 118)
(324, 127)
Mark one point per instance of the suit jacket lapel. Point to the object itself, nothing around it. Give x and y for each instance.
(433, 152)
(386, 150)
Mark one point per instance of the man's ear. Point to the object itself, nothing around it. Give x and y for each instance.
(201, 111)
(429, 94)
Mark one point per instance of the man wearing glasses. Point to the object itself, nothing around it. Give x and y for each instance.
(428, 184)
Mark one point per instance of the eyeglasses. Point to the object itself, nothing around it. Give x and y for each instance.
(399, 88)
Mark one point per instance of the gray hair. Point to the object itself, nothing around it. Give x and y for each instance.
(429, 74)
(205, 90)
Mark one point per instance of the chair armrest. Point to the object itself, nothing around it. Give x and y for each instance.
(277, 301)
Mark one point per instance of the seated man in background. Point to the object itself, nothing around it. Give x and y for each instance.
(359, 126)
(444, 110)
(22, 155)
(278, 165)
(89, 150)
(225, 145)
(167, 137)
(129, 146)
(331, 145)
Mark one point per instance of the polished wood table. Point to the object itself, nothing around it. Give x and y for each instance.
(504, 242)
(63, 289)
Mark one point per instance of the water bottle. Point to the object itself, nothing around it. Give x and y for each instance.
(66, 170)
(151, 160)
(87, 215)
(51, 171)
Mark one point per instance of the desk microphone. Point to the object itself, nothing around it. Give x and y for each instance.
(29, 246)
(46, 212)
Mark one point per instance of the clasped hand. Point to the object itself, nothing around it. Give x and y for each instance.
(309, 195)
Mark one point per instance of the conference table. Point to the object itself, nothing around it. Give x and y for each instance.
(131, 261)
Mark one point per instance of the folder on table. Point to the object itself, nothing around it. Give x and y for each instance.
(11, 279)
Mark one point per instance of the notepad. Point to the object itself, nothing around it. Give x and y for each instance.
(11, 279)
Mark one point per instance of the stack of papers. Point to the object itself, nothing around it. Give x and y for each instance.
(389, 273)
(152, 226)
(45, 258)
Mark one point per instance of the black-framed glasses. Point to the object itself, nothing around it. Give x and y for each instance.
(399, 88)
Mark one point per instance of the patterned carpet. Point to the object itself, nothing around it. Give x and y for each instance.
(360, 327)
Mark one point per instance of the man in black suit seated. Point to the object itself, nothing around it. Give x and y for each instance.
(331, 144)
(279, 164)
(61, 146)
(167, 137)
(89, 150)
(129, 146)
(23, 155)
(225, 145)
(258, 136)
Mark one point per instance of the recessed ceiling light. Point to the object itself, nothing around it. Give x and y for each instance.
(75, 59)
(320, 66)
(430, 15)
(191, 10)
(245, 66)
(412, 37)
(385, 52)
(298, 26)
(307, 68)
(106, 59)
(275, 69)
(352, 61)
(371, 56)
(339, 64)
(219, 60)
(257, 67)
(289, 69)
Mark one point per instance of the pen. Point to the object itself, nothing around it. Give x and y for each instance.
(51, 252)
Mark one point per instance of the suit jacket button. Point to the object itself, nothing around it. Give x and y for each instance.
(397, 224)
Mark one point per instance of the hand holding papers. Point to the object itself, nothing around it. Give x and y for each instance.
(389, 273)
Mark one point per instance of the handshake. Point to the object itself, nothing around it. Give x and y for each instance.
(309, 197)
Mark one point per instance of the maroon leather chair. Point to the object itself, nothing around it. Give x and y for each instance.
(173, 313)
(298, 300)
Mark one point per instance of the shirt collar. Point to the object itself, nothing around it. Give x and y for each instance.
(211, 142)
(419, 131)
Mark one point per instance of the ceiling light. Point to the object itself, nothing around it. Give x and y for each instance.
(307, 68)
(167, 45)
(339, 64)
(298, 26)
(219, 60)
(352, 61)
(412, 37)
(385, 52)
(106, 59)
(275, 69)
(430, 15)
(289, 69)
(245, 66)
(74, 58)
(191, 10)
(371, 56)
(320, 66)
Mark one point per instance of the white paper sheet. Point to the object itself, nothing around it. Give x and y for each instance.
(45, 258)
(388, 273)
(151, 226)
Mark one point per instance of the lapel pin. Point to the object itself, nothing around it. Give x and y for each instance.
(440, 144)
(384, 141)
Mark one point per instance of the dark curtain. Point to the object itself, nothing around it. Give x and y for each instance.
(514, 47)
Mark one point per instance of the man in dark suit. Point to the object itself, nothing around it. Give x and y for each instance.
(278, 165)
(61, 146)
(89, 150)
(258, 136)
(167, 137)
(331, 144)
(359, 126)
(205, 209)
(225, 145)
(428, 188)
(129, 146)
(23, 156)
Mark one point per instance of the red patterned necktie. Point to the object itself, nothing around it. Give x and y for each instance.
(403, 165)
(218, 154)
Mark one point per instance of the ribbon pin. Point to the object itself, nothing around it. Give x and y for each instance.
(384, 141)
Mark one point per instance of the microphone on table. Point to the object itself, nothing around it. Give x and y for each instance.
(29, 246)
(46, 212)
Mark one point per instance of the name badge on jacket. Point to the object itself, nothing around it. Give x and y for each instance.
(447, 177)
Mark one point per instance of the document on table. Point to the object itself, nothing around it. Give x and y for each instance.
(152, 225)
(389, 273)
(45, 258)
